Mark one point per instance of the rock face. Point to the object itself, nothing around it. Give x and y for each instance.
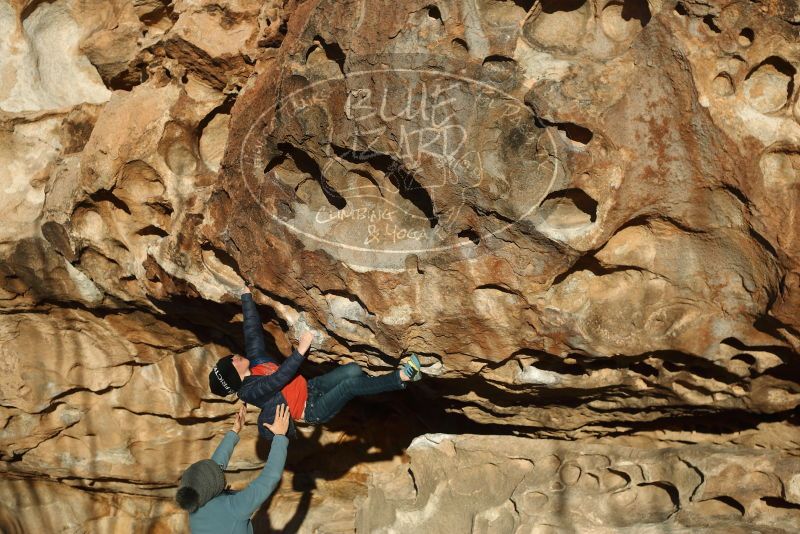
(571, 221)
(582, 215)
(509, 484)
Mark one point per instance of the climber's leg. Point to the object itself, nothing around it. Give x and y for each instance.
(328, 381)
(322, 406)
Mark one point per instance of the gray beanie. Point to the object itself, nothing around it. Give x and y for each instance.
(200, 483)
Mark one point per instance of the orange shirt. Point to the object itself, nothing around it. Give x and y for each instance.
(295, 392)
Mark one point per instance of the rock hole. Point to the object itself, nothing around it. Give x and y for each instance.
(222, 256)
(179, 148)
(180, 159)
(736, 192)
(556, 364)
(311, 49)
(459, 42)
(706, 369)
(746, 358)
(621, 20)
(675, 362)
(723, 85)
(434, 13)
(668, 487)
(497, 59)
(308, 165)
(552, 6)
(780, 167)
(560, 24)
(730, 501)
(155, 15)
(161, 206)
(499, 288)
(680, 9)
(746, 37)
(786, 372)
(761, 240)
(573, 132)
(128, 79)
(570, 473)
(777, 502)
(152, 230)
(273, 33)
(332, 51)
(408, 187)
(582, 202)
(644, 369)
(413, 481)
(576, 133)
(613, 481)
(214, 133)
(525, 4)
(770, 84)
(470, 234)
(584, 263)
(733, 342)
(638, 10)
(564, 214)
(708, 20)
(274, 162)
(622, 474)
(499, 68)
(104, 195)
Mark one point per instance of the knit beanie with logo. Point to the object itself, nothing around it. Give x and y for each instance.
(224, 378)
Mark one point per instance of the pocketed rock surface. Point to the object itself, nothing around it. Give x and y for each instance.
(582, 215)
(509, 484)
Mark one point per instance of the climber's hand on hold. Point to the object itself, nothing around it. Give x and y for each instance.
(305, 342)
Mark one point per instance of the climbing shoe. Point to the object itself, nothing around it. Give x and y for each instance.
(412, 368)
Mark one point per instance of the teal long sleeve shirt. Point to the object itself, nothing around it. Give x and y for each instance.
(229, 512)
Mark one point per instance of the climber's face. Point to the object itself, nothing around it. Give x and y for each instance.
(241, 364)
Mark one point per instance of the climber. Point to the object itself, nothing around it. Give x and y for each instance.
(213, 508)
(259, 380)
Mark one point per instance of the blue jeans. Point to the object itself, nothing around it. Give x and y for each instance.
(328, 394)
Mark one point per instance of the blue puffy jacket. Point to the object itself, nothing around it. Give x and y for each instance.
(264, 391)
